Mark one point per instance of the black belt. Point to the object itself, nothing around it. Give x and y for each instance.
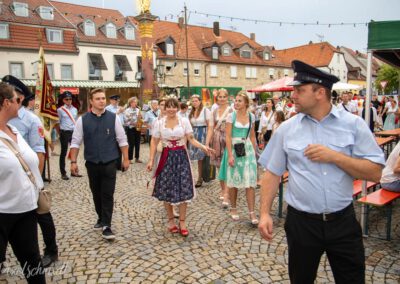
(66, 130)
(323, 216)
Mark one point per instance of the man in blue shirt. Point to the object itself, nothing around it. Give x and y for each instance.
(67, 115)
(323, 149)
(150, 116)
(115, 108)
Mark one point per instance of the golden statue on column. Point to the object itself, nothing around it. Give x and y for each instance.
(143, 6)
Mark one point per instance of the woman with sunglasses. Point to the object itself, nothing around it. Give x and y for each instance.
(173, 176)
(200, 119)
(18, 195)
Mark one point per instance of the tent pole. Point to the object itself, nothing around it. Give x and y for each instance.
(367, 119)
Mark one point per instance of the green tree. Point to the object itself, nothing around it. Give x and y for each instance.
(389, 74)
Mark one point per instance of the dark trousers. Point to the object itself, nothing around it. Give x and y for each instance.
(20, 230)
(65, 139)
(133, 141)
(102, 179)
(340, 238)
(49, 233)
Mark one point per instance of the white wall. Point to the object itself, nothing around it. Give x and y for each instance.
(79, 62)
(338, 66)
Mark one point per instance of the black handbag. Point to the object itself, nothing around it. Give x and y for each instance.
(239, 148)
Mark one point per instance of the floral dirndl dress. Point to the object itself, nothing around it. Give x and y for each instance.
(173, 176)
(244, 173)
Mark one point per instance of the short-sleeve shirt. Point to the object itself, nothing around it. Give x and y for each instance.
(319, 187)
(31, 129)
(149, 117)
(350, 107)
(178, 132)
(267, 121)
(202, 119)
(66, 123)
(388, 175)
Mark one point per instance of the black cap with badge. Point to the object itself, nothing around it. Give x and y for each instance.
(115, 97)
(66, 94)
(19, 86)
(307, 74)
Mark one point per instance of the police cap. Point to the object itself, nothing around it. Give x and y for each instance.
(115, 97)
(19, 86)
(307, 74)
(66, 94)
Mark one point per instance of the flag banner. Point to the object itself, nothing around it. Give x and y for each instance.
(45, 102)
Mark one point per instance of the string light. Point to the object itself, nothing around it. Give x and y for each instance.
(256, 21)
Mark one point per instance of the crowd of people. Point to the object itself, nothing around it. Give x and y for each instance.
(315, 140)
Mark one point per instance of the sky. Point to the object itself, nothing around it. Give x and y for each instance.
(293, 11)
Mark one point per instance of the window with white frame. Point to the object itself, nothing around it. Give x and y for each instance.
(215, 52)
(46, 13)
(129, 32)
(170, 48)
(20, 9)
(226, 51)
(267, 56)
(248, 72)
(254, 72)
(271, 73)
(213, 70)
(233, 71)
(196, 69)
(4, 31)
(89, 28)
(50, 70)
(111, 30)
(54, 36)
(66, 72)
(286, 72)
(17, 69)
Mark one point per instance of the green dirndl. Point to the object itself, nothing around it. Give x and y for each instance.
(244, 173)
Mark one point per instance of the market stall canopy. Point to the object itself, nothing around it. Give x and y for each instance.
(340, 86)
(280, 85)
(384, 41)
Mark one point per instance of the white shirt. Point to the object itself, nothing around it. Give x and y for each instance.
(388, 176)
(214, 107)
(238, 124)
(18, 194)
(350, 107)
(77, 136)
(266, 121)
(177, 133)
(183, 115)
(202, 119)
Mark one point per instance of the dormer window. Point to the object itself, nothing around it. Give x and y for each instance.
(215, 52)
(89, 28)
(170, 49)
(20, 9)
(46, 13)
(267, 56)
(245, 54)
(129, 32)
(226, 51)
(111, 31)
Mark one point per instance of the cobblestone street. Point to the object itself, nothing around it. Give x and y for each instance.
(218, 250)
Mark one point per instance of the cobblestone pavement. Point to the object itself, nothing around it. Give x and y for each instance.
(217, 250)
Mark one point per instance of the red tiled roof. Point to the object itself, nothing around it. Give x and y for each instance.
(28, 37)
(77, 14)
(316, 54)
(199, 37)
(7, 15)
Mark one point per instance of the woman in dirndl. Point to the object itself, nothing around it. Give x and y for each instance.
(391, 109)
(173, 177)
(218, 140)
(266, 122)
(200, 118)
(239, 168)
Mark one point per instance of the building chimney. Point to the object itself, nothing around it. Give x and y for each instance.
(253, 36)
(216, 28)
(181, 22)
(310, 42)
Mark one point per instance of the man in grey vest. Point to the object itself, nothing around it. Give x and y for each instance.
(102, 134)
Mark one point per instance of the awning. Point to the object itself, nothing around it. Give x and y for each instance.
(384, 41)
(340, 86)
(280, 85)
(86, 84)
(123, 62)
(97, 61)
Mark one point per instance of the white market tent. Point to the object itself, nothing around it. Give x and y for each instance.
(340, 86)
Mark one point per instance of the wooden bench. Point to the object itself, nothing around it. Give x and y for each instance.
(381, 198)
(357, 186)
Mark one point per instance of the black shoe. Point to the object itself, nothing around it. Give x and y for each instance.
(98, 225)
(64, 177)
(108, 234)
(48, 259)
